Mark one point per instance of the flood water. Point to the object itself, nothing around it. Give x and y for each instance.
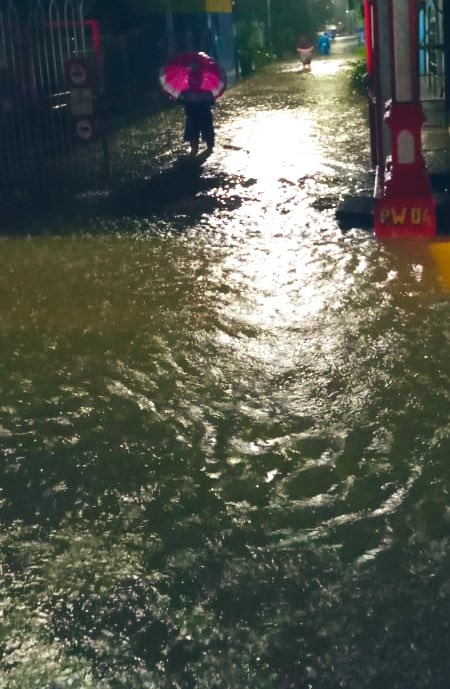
(224, 423)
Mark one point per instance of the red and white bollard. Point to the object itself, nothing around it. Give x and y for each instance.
(406, 207)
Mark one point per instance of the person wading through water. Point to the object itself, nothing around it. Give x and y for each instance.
(305, 50)
(198, 109)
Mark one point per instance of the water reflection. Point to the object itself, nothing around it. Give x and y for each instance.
(321, 66)
(274, 144)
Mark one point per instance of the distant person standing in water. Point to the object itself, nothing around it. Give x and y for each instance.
(305, 50)
(324, 43)
(198, 109)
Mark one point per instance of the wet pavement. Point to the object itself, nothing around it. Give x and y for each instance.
(224, 422)
(285, 140)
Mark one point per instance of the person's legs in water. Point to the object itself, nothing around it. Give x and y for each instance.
(208, 136)
(192, 134)
(194, 147)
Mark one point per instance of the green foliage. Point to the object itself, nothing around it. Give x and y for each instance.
(289, 19)
(358, 73)
(262, 58)
(360, 52)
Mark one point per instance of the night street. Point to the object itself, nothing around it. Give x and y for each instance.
(224, 420)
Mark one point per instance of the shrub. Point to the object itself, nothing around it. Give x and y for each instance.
(358, 74)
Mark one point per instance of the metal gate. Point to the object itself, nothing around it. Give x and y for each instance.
(37, 39)
(431, 55)
(432, 79)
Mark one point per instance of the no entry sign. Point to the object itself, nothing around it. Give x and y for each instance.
(80, 73)
(83, 92)
(85, 129)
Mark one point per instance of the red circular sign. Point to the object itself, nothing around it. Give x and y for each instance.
(85, 129)
(78, 73)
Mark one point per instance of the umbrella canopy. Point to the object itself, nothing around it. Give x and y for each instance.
(175, 75)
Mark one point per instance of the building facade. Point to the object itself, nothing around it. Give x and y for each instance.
(192, 25)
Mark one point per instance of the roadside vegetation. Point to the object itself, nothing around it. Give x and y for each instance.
(269, 30)
(359, 70)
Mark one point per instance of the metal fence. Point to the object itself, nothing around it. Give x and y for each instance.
(432, 50)
(38, 137)
(56, 132)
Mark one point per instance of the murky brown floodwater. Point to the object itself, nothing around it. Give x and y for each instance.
(225, 424)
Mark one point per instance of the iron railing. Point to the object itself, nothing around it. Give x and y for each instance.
(37, 141)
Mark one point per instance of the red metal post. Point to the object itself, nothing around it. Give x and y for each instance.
(95, 34)
(406, 207)
(94, 27)
(368, 32)
(376, 103)
(368, 35)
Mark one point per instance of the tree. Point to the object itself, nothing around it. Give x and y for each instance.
(288, 18)
(114, 16)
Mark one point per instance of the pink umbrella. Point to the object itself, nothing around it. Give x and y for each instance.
(174, 76)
